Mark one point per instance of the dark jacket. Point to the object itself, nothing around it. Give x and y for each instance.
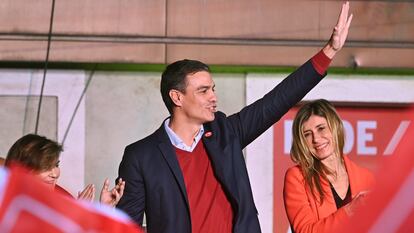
(154, 181)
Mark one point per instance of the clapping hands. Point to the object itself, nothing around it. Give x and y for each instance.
(108, 197)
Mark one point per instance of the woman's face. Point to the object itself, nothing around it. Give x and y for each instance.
(50, 176)
(318, 137)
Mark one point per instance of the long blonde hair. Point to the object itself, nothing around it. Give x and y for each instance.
(312, 168)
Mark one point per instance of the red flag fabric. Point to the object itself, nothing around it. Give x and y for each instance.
(390, 207)
(27, 205)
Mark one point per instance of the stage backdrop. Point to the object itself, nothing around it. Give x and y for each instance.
(375, 115)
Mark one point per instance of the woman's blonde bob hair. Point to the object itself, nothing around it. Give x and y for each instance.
(313, 170)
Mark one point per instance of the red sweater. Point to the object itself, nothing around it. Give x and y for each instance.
(210, 209)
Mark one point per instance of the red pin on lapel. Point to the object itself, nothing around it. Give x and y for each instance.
(208, 134)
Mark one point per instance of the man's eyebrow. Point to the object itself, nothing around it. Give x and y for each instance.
(205, 87)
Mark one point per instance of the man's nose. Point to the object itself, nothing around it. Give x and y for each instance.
(213, 96)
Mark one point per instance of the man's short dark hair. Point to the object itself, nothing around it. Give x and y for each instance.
(174, 77)
(35, 152)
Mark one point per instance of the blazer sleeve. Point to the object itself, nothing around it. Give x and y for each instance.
(133, 200)
(257, 117)
(302, 216)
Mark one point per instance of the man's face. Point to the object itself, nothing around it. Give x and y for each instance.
(199, 101)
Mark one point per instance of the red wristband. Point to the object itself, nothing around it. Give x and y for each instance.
(321, 62)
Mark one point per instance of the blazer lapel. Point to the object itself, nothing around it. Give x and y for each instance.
(221, 163)
(351, 175)
(328, 206)
(168, 152)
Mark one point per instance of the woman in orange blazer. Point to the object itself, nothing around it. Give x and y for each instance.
(325, 187)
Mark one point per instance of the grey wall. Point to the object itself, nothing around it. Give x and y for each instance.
(18, 117)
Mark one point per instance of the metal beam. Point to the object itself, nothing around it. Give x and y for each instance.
(198, 40)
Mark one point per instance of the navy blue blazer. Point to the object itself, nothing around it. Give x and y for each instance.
(155, 183)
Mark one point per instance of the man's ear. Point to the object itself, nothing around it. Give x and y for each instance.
(176, 97)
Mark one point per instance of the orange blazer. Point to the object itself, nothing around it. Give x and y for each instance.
(305, 213)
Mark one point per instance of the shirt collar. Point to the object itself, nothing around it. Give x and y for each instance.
(178, 142)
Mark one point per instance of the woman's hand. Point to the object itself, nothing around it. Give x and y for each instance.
(357, 201)
(88, 193)
(112, 197)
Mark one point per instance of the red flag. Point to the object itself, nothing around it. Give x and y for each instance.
(27, 205)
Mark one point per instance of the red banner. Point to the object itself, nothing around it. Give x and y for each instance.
(390, 207)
